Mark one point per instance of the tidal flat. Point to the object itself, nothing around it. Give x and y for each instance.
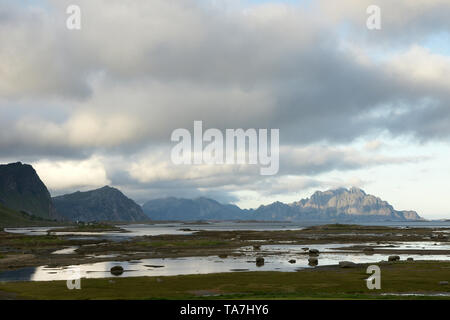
(207, 254)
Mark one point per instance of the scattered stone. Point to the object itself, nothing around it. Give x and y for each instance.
(223, 256)
(410, 259)
(394, 258)
(116, 270)
(239, 270)
(305, 249)
(347, 264)
(153, 266)
(256, 247)
(313, 252)
(443, 283)
(259, 261)
(292, 261)
(312, 261)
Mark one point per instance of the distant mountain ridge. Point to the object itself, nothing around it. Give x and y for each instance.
(21, 189)
(352, 205)
(340, 205)
(104, 204)
(190, 209)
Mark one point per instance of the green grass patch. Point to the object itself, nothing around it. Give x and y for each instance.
(32, 241)
(181, 243)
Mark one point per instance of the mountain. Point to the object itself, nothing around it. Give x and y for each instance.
(190, 209)
(22, 190)
(352, 205)
(104, 204)
(340, 205)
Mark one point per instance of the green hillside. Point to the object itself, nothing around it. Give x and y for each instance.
(11, 218)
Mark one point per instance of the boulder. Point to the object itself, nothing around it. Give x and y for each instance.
(256, 247)
(394, 258)
(347, 264)
(313, 252)
(292, 261)
(259, 261)
(116, 270)
(313, 261)
(410, 259)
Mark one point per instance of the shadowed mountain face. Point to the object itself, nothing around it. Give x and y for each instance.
(190, 209)
(340, 205)
(21, 189)
(105, 204)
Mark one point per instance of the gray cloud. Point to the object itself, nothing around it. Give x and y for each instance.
(129, 77)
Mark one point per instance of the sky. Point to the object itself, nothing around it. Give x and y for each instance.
(355, 107)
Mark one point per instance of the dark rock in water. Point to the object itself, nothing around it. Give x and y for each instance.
(116, 270)
(313, 252)
(259, 261)
(305, 249)
(256, 247)
(410, 259)
(312, 261)
(394, 258)
(292, 261)
(238, 270)
(347, 264)
(223, 256)
(153, 266)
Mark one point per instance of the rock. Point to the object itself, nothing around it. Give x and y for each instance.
(256, 247)
(368, 250)
(116, 270)
(305, 249)
(443, 283)
(259, 261)
(313, 252)
(347, 264)
(394, 258)
(410, 259)
(292, 261)
(223, 256)
(312, 261)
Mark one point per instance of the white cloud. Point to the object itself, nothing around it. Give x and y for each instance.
(60, 175)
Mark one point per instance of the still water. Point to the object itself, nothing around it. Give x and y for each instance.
(276, 257)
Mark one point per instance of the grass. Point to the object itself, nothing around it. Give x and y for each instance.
(97, 227)
(37, 241)
(182, 243)
(333, 283)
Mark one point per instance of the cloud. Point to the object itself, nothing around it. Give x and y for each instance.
(70, 175)
(109, 96)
